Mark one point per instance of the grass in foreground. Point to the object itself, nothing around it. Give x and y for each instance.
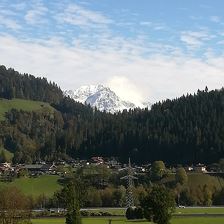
(179, 211)
(198, 210)
(87, 221)
(20, 104)
(46, 184)
(198, 220)
(187, 220)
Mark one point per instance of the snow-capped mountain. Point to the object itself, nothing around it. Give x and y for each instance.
(101, 97)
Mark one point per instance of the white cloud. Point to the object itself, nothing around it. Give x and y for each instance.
(19, 6)
(146, 23)
(132, 75)
(35, 15)
(195, 39)
(79, 16)
(215, 19)
(126, 89)
(9, 23)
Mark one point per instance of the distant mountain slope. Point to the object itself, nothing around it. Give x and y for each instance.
(101, 97)
(25, 86)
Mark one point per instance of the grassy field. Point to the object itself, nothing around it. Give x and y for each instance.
(19, 104)
(188, 220)
(198, 210)
(198, 220)
(179, 211)
(46, 184)
(8, 154)
(87, 221)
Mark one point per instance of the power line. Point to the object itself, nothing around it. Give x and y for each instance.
(130, 184)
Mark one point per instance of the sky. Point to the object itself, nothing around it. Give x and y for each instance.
(144, 50)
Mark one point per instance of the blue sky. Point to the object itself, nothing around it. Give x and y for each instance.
(145, 50)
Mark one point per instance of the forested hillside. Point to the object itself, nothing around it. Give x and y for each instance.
(189, 129)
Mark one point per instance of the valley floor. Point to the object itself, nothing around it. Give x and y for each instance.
(179, 220)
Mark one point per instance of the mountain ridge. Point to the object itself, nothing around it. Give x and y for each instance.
(102, 98)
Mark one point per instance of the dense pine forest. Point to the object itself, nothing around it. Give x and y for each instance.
(186, 130)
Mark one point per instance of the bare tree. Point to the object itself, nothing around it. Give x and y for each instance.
(14, 206)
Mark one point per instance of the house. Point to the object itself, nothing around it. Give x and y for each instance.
(201, 168)
(189, 168)
(97, 160)
(113, 163)
(5, 167)
(49, 168)
(35, 169)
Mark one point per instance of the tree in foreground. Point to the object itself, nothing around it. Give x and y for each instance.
(181, 176)
(14, 206)
(158, 170)
(159, 205)
(73, 194)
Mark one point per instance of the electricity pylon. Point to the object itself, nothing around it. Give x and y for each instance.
(130, 184)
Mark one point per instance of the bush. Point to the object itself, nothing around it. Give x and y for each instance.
(134, 213)
(84, 213)
(139, 214)
(106, 214)
(95, 214)
(130, 213)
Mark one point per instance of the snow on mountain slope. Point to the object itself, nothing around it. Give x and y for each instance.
(101, 97)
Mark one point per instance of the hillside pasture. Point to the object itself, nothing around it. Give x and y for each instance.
(20, 104)
(35, 186)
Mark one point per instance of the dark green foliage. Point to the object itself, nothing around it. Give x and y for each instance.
(130, 213)
(139, 213)
(159, 205)
(73, 217)
(219, 197)
(73, 195)
(134, 213)
(158, 170)
(181, 176)
(184, 130)
(15, 85)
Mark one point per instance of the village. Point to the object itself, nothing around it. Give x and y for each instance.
(60, 167)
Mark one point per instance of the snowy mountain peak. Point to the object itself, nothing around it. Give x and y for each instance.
(101, 97)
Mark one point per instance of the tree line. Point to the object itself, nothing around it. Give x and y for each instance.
(188, 129)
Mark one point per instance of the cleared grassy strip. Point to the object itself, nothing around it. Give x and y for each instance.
(179, 211)
(46, 184)
(113, 211)
(188, 220)
(87, 221)
(20, 104)
(49, 220)
(198, 220)
(198, 210)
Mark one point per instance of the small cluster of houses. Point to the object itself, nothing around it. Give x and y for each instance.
(10, 169)
(112, 163)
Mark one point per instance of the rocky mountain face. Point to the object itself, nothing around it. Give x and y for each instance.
(101, 97)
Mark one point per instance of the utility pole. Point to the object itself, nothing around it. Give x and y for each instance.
(130, 184)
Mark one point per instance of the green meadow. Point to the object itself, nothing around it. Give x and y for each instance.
(181, 220)
(20, 104)
(46, 184)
